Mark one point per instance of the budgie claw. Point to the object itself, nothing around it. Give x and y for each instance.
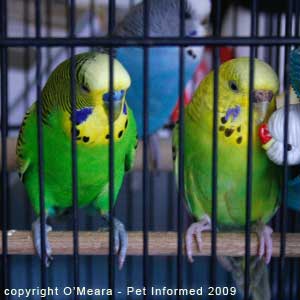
(36, 230)
(120, 241)
(264, 234)
(196, 230)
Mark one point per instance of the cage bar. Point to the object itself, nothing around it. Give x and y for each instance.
(284, 194)
(111, 265)
(216, 64)
(150, 41)
(180, 195)
(254, 31)
(40, 146)
(4, 174)
(145, 149)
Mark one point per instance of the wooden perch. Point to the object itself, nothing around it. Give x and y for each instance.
(160, 243)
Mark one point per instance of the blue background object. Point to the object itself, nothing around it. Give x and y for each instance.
(293, 200)
(163, 82)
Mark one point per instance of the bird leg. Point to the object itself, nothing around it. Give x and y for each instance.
(36, 231)
(264, 233)
(120, 240)
(195, 230)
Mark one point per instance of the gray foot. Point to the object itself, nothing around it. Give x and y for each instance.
(36, 231)
(195, 230)
(264, 233)
(120, 241)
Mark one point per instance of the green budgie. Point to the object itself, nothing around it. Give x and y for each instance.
(92, 130)
(233, 108)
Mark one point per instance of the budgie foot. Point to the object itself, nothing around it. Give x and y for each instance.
(264, 233)
(195, 230)
(36, 231)
(120, 241)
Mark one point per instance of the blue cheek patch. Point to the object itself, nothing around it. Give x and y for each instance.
(82, 114)
(234, 112)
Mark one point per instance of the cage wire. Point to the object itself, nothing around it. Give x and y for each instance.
(35, 37)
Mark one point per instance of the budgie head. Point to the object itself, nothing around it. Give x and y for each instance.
(91, 84)
(196, 23)
(164, 21)
(234, 83)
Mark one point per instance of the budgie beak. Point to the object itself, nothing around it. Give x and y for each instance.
(262, 101)
(117, 98)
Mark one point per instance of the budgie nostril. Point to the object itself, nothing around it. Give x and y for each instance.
(263, 96)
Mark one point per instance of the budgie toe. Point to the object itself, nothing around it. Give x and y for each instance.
(264, 233)
(36, 231)
(195, 230)
(120, 241)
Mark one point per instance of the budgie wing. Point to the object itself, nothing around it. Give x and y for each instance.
(23, 161)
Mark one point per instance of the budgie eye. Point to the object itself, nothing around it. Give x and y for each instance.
(289, 147)
(187, 15)
(85, 88)
(233, 86)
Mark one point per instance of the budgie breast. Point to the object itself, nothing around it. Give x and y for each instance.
(92, 157)
(232, 169)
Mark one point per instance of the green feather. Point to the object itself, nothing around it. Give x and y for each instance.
(92, 157)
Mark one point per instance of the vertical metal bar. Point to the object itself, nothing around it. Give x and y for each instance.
(297, 18)
(40, 145)
(4, 171)
(284, 195)
(269, 23)
(111, 266)
(91, 17)
(216, 63)
(278, 33)
(293, 216)
(48, 34)
(145, 148)
(181, 153)
(26, 58)
(74, 152)
(26, 54)
(249, 156)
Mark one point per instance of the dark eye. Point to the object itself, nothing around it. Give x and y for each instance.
(85, 88)
(233, 86)
(289, 147)
(187, 15)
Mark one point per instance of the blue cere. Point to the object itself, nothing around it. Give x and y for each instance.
(116, 96)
